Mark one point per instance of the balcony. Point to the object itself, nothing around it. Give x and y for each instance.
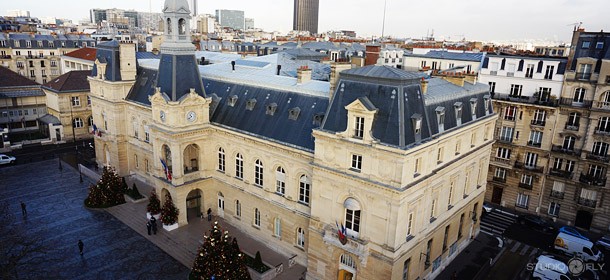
(502, 160)
(587, 202)
(522, 165)
(570, 102)
(499, 179)
(5, 57)
(572, 127)
(601, 105)
(493, 73)
(602, 132)
(560, 173)
(561, 149)
(504, 139)
(534, 144)
(557, 194)
(582, 76)
(535, 99)
(538, 122)
(526, 186)
(592, 180)
(596, 157)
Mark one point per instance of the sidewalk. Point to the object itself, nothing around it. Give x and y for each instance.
(183, 243)
(472, 259)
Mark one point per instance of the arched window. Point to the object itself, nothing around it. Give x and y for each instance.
(90, 121)
(352, 216)
(258, 173)
(277, 227)
(191, 158)
(257, 217)
(237, 208)
(605, 102)
(221, 160)
(600, 149)
(280, 181)
(77, 123)
(579, 95)
(300, 237)
(304, 189)
(239, 166)
(169, 26)
(181, 26)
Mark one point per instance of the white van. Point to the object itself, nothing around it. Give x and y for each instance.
(550, 269)
(572, 245)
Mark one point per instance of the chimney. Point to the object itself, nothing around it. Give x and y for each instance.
(303, 75)
(233, 65)
(335, 70)
(155, 51)
(372, 54)
(471, 77)
(424, 86)
(127, 54)
(279, 67)
(454, 78)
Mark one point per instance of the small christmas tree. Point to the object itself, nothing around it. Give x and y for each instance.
(219, 257)
(107, 192)
(169, 213)
(154, 205)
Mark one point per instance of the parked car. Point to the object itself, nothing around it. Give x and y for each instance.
(487, 208)
(4, 159)
(573, 231)
(549, 268)
(536, 222)
(575, 246)
(604, 243)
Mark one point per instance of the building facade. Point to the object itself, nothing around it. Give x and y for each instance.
(401, 163)
(81, 59)
(231, 18)
(424, 60)
(305, 16)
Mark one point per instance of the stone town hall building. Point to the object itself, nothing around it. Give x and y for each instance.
(400, 161)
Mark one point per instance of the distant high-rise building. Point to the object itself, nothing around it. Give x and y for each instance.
(231, 18)
(306, 15)
(194, 8)
(97, 15)
(18, 13)
(249, 23)
(205, 23)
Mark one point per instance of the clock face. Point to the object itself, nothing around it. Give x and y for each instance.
(191, 116)
(162, 115)
(576, 266)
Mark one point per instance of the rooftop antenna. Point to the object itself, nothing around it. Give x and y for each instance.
(383, 24)
(576, 25)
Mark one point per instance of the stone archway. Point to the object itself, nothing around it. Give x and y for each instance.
(191, 158)
(583, 219)
(193, 204)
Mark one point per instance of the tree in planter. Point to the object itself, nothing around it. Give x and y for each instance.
(154, 205)
(169, 213)
(107, 192)
(219, 257)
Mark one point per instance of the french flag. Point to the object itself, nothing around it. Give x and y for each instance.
(94, 130)
(341, 231)
(168, 175)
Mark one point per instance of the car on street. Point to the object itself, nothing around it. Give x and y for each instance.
(487, 208)
(536, 223)
(549, 268)
(4, 159)
(573, 231)
(604, 243)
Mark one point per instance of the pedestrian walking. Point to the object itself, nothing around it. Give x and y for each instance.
(153, 222)
(148, 227)
(24, 211)
(80, 246)
(209, 214)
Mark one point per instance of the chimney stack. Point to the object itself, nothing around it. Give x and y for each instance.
(233, 65)
(303, 75)
(279, 67)
(454, 78)
(335, 70)
(372, 54)
(471, 77)
(424, 86)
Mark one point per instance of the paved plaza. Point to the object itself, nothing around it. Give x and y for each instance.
(57, 216)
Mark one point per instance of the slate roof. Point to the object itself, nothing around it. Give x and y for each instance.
(178, 74)
(108, 52)
(451, 55)
(147, 55)
(592, 38)
(83, 53)
(73, 81)
(49, 119)
(560, 68)
(9, 78)
(382, 72)
(304, 53)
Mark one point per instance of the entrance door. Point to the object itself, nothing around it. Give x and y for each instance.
(496, 196)
(193, 205)
(57, 134)
(221, 205)
(345, 275)
(583, 219)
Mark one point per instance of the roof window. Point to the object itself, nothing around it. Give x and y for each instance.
(232, 100)
(250, 104)
(271, 108)
(294, 113)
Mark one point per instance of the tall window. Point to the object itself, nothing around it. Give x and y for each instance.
(428, 252)
(492, 87)
(300, 237)
(221, 160)
(405, 269)
(535, 138)
(461, 226)
(531, 159)
(540, 116)
(277, 228)
(445, 238)
(527, 179)
(510, 112)
(359, 129)
(450, 194)
(304, 189)
(515, 90)
(78, 123)
(550, 70)
(410, 222)
(604, 124)
(239, 166)
(568, 143)
(554, 209)
(280, 180)
(503, 153)
(529, 71)
(440, 155)
(352, 216)
(257, 217)
(258, 173)
(75, 101)
(506, 134)
(237, 208)
(522, 200)
(432, 209)
(574, 119)
(356, 162)
(600, 149)
(500, 173)
(579, 95)
(417, 166)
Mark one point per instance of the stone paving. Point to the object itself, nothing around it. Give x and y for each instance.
(56, 214)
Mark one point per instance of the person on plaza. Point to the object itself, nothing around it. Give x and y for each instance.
(80, 246)
(209, 214)
(148, 227)
(153, 222)
(23, 210)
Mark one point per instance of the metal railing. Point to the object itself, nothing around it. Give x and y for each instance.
(557, 194)
(522, 165)
(582, 76)
(526, 186)
(601, 105)
(499, 179)
(570, 102)
(597, 157)
(587, 202)
(536, 100)
(591, 180)
(560, 173)
(534, 144)
(538, 122)
(561, 149)
(571, 127)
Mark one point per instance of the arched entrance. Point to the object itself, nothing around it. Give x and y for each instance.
(347, 268)
(221, 205)
(193, 204)
(496, 196)
(583, 219)
(191, 158)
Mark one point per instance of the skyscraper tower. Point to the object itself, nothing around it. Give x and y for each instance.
(194, 8)
(306, 15)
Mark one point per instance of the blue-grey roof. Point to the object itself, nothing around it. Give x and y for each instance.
(108, 52)
(373, 72)
(147, 55)
(305, 54)
(451, 55)
(320, 46)
(591, 38)
(178, 74)
(49, 119)
(560, 69)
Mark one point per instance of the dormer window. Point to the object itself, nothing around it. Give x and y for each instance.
(250, 104)
(486, 101)
(294, 113)
(232, 100)
(359, 129)
(40, 44)
(473, 108)
(458, 112)
(440, 117)
(317, 118)
(271, 109)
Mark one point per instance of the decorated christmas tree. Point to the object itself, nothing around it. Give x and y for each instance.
(154, 205)
(107, 192)
(169, 213)
(219, 258)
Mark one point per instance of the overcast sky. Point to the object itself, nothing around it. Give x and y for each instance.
(473, 19)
